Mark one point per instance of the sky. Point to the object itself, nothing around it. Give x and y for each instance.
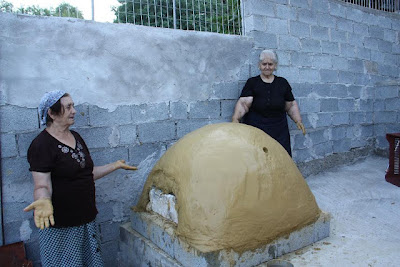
(102, 8)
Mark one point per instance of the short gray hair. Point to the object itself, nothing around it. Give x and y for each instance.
(270, 54)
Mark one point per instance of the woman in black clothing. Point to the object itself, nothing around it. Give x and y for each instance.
(266, 99)
(64, 191)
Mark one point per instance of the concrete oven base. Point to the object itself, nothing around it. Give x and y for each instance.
(149, 240)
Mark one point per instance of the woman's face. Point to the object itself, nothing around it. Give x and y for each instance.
(67, 116)
(267, 66)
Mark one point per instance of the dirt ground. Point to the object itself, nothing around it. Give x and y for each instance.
(365, 224)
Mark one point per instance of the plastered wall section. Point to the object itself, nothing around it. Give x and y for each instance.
(343, 62)
(139, 89)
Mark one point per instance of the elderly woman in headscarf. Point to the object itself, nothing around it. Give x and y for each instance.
(266, 99)
(64, 190)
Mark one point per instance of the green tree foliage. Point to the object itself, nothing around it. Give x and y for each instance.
(63, 10)
(222, 16)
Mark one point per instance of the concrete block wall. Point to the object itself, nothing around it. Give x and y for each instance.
(343, 62)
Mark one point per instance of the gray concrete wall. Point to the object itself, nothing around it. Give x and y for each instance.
(139, 89)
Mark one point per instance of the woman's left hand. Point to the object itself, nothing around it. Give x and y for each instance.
(120, 164)
(300, 126)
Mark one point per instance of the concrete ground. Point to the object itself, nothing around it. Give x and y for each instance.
(365, 224)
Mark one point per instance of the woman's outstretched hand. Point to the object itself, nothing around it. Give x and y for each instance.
(43, 212)
(120, 164)
(300, 126)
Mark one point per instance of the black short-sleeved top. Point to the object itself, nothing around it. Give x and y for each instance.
(72, 180)
(268, 98)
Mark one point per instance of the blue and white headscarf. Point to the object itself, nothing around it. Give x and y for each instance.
(48, 100)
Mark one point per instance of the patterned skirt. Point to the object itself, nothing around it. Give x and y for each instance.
(71, 246)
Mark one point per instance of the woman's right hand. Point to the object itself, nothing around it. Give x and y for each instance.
(43, 212)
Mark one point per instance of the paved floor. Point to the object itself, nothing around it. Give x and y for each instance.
(365, 224)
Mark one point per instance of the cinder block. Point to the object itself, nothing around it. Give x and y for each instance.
(108, 155)
(337, 10)
(391, 104)
(322, 90)
(392, 71)
(8, 145)
(205, 109)
(225, 90)
(13, 211)
(357, 117)
(338, 36)
(258, 7)
(354, 39)
(308, 74)
(227, 108)
(340, 63)
(16, 119)
(103, 117)
(317, 137)
(341, 146)
(321, 7)
(319, 33)
(301, 59)
(357, 15)
(366, 105)
(309, 105)
(346, 77)
(255, 23)
(330, 48)
(322, 62)
(329, 104)
(379, 105)
(109, 250)
(325, 20)
(384, 92)
(329, 76)
(150, 112)
(128, 134)
(140, 152)
(82, 115)
(302, 89)
(346, 104)
(385, 46)
(32, 250)
(156, 131)
(263, 40)
(302, 155)
(187, 126)
(277, 26)
(300, 3)
(338, 133)
(109, 231)
(389, 35)
(339, 91)
(105, 210)
(289, 43)
(310, 46)
(14, 170)
(96, 137)
(179, 110)
(286, 12)
(371, 43)
(345, 25)
(323, 149)
(385, 117)
(24, 141)
(306, 15)
(290, 73)
(347, 50)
